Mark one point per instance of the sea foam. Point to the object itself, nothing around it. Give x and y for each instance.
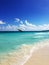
(21, 56)
(36, 47)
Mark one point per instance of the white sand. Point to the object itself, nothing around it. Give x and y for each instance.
(39, 57)
(37, 54)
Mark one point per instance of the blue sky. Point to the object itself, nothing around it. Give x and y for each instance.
(36, 12)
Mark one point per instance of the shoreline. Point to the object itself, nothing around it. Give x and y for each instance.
(24, 54)
(39, 49)
(39, 57)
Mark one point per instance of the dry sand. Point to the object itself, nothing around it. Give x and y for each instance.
(39, 57)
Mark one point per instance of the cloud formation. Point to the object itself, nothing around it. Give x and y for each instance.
(32, 27)
(27, 23)
(17, 19)
(24, 26)
(1, 22)
(9, 28)
(27, 26)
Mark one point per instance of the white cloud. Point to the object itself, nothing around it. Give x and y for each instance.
(31, 27)
(1, 22)
(25, 26)
(27, 23)
(21, 22)
(9, 28)
(43, 27)
(22, 27)
(17, 19)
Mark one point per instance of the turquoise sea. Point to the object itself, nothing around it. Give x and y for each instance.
(12, 40)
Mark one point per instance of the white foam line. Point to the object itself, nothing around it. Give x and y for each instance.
(33, 49)
(36, 47)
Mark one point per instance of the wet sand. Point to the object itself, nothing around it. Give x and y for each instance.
(37, 54)
(15, 57)
(39, 57)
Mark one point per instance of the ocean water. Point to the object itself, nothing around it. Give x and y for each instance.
(11, 41)
(17, 47)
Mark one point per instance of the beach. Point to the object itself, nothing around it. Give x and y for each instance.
(26, 48)
(15, 57)
(39, 57)
(37, 54)
(24, 32)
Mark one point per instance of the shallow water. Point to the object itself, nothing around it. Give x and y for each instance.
(11, 41)
(17, 47)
